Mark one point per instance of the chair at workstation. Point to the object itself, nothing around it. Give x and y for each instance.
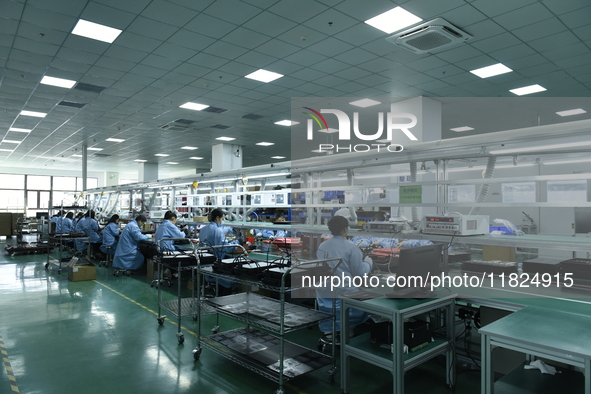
(118, 271)
(108, 257)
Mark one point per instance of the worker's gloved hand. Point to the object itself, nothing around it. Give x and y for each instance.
(272, 237)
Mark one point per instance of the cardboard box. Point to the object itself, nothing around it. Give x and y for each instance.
(201, 219)
(81, 270)
(151, 268)
(147, 227)
(503, 253)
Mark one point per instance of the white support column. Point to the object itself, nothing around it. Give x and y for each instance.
(428, 113)
(226, 157)
(147, 172)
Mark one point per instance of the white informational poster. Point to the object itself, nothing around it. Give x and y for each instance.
(461, 193)
(281, 198)
(268, 199)
(567, 191)
(236, 201)
(518, 192)
(376, 195)
(257, 199)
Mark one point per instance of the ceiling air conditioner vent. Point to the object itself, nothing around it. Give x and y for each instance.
(431, 36)
(173, 127)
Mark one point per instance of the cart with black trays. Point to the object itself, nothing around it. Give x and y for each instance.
(179, 261)
(260, 346)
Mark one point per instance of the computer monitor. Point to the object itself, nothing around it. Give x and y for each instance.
(39, 215)
(422, 261)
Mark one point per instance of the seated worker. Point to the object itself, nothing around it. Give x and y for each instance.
(127, 255)
(75, 221)
(67, 223)
(168, 229)
(352, 265)
(213, 235)
(56, 222)
(111, 234)
(89, 226)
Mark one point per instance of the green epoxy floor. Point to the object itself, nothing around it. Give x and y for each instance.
(102, 337)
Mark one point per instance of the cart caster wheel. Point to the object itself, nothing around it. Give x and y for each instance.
(321, 348)
(197, 354)
(46, 266)
(115, 274)
(215, 329)
(160, 320)
(280, 391)
(331, 376)
(181, 339)
(59, 271)
(195, 317)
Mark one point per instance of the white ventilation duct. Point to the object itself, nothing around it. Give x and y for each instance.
(434, 35)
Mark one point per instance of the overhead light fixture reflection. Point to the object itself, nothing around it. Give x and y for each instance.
(141, 161)
(463, 128)
(114, 140)
(189, 147)
(59, 82)
(194, 106)
(396, 19)
(97, 149)
(161, 154)
(572, 112)
(567, 161)
(277, 157)
(95, 31)
(264, 76)
(364, 103)
(287, 123)
(196, 158)
(171, 162)
(11, 141)
(528, 90)
(265, 143)
(491, 71)
(17, 130)
(6, 150)
(76, 155)
(543, 147)
(225, 138)
(33, 113)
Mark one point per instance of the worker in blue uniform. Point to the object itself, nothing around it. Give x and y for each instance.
(89, 226)
(127, 255)
(352, 265)
(213, 235)
(111, 234)
(56, 222)
(168, 229)
(67, 225)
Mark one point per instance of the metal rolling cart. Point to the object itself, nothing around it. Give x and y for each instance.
(260, 345)
(58, 239)
(180, 261)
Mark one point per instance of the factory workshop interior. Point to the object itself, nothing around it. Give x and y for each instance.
(176, 174)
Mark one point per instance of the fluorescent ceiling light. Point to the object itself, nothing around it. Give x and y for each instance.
(463, 128)
(6, 150)
(567, 161)
(287, 123)
(60, 82)
(543, 147)
(265, 143)
(189, 147)
(264, 76)
(194, 106)
(196, 158)
(115, 140)
(396, 19)
(141, 161)
(571, 112)
(95, 31)
(97, 149)
(277, 157)
(364, 103)
(171, 162)
(527, 90)
(329, 130)
(161, 154)
(225, 138)
(267, 175)
(11, 141)
(16, 129)
(32, 113)
(491, 71)
(456, 169)
(76, 155)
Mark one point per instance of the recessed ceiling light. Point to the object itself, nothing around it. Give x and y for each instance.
(527, 90)
(277, 157)
(95, 31)
(189, 147)
(396, 19)
(6, 150)
(364, 103)
(225, 138)
(329, 130)
(463, 128)
(196, 158)
(140, 161)
(286, 123)
(76, 155)
(11, 141)
(60, 82)
(32, 113)
(491, 71)
(264, 76)
(171, 162)
(97, 149)
(16, 129)
(265, 143)
(161, 154)
(115, 140)
(194, 106)
(571, 112)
